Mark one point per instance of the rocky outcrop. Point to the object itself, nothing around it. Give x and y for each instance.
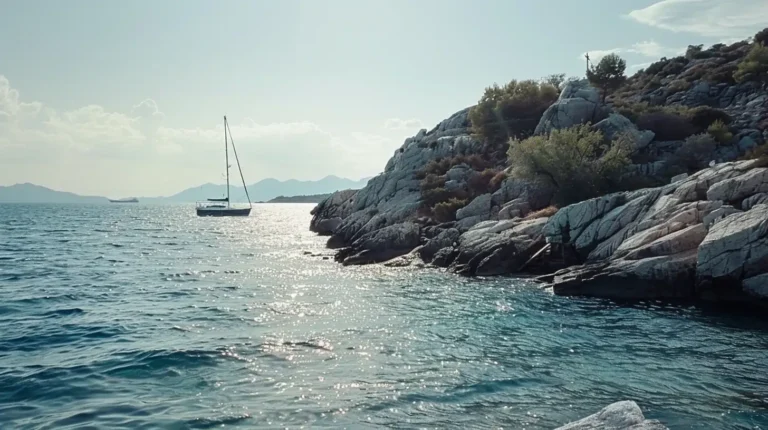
(735, 254)
(495, 247)
(617, 126)
(328, 214)
(625, 415)
(678, 241)
(578, 103)
(382, 244)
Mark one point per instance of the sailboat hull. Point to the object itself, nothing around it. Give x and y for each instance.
(203, 211)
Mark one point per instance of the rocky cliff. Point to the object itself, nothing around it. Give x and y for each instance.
(702, 235)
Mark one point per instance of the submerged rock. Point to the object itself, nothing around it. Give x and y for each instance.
(624, 415)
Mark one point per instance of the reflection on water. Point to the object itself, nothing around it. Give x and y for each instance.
(150, 317)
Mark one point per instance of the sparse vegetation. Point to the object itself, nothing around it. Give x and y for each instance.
(511, 111)
(720, 132)
(433, 184)
(761, 37)
(446, 211)
(542, 213)
(754, 67)
(667, 126)
(576, 161)
(608, 75)
(678, 85)
(556, 80)
(694, 154)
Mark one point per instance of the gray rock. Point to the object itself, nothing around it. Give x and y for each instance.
(329, 213)
(444, 239)
(754, 200)
(735, 248)
(679, 178)
(517, 208)
(624, 415)
(757, 286)
(445, 257)
(497, 248)
(617, 125)
(737, 188)
(480, 206)
(384, 244)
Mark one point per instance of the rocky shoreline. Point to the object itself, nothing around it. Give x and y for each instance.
(701, 236)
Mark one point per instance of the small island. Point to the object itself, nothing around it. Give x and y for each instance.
(314, 198)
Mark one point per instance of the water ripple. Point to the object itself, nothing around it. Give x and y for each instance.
(146, 317)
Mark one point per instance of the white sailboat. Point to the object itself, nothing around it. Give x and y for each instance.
(222, 206)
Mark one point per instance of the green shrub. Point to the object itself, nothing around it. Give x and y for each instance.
(695, 153)
(754, 67)
(666, 126)
(446, 211)
(608, 75)
(721, 74)
(480, 183)
(497, 180)
(657, 67)
(761, 37)
(704, 116)
(694, 51)
(576, 161)
(678, 85)
(557, 80)
(512, 110)
(720, 132)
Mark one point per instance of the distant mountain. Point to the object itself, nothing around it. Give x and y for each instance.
(316, 198)
(265, 190)
(30, 193)
(261, 191)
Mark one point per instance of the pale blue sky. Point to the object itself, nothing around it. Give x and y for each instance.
(126, 97)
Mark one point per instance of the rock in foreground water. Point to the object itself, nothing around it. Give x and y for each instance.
(624, 415)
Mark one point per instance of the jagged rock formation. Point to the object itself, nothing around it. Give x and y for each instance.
(329, 213)
(692, 238)
(625, 415)
(673, 241)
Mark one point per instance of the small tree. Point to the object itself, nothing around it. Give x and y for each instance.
(608, 75)
(754, 66)
(762, 36)
(576, 161)
(556, 80)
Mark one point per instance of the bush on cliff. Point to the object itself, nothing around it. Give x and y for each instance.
(512, 110)
(720, 132)
(446, 211)
(667, 126)
(693, 155)
(576, 161)
(608, 75)
(754, 67)
(761, 37)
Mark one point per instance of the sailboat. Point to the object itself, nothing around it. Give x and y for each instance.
(222, 206)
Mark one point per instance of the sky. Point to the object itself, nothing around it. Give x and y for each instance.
(126, 98)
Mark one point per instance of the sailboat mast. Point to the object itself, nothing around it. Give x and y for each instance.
(226, 156)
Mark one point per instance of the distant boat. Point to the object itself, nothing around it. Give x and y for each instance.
(125, 200)
(221, 206)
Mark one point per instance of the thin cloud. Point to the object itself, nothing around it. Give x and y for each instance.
(403, 124)
(98, 151)
(648, 48)
(711, 18)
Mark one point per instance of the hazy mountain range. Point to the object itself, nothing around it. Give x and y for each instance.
(262, 191)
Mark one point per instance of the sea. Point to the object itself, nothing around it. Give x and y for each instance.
(140, 316)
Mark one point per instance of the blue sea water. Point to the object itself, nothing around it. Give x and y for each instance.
(146, 317)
